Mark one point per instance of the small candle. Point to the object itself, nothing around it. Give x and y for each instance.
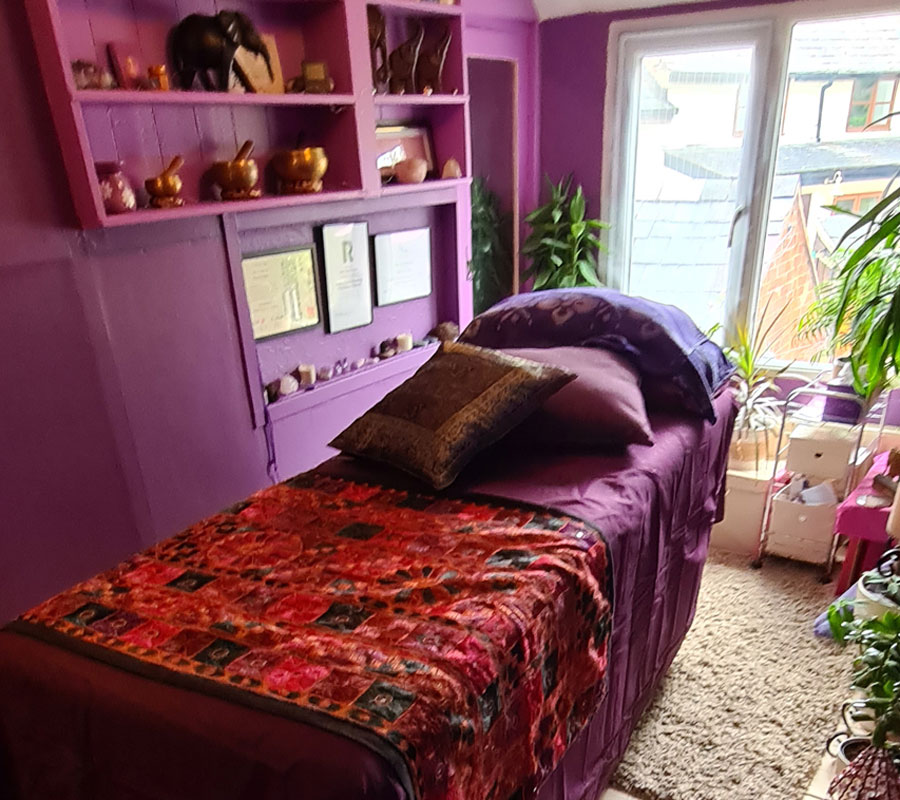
(288, 385)
(404, 342)
(307, 373)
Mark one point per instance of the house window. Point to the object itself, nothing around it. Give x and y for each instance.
(872, 99)
(857, 203)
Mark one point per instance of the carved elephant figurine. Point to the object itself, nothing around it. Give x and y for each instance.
(200, 43)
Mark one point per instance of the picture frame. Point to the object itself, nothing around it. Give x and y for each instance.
(348, 276)
(396, 143)
(403, 266)
(282, 291)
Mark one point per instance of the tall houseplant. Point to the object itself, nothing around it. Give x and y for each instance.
(564, 244)
(867, 308)
(759, 410)
(491, 267)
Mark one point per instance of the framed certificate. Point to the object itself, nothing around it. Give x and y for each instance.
(281, 291)
(348, 280)
(402, 266)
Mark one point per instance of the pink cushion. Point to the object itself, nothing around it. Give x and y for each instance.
(602, 406)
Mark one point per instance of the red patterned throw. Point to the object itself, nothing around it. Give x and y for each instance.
(464, 641)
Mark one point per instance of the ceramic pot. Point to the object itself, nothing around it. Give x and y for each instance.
(869, 604)
(844, 748)
(300, 171)
(115, 188)
(412, 170)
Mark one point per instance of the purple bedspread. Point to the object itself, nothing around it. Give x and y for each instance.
(116, 736)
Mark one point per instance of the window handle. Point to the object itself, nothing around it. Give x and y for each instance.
(738, 213)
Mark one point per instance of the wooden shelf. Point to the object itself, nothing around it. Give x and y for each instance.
(420, 7)
(421, 99)
(326, 391)
(426, 186)
(226, 207)
(151, 98)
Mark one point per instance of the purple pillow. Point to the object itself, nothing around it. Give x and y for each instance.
(602, 406)
(679, 364)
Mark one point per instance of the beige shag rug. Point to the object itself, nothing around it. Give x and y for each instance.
(751, 697)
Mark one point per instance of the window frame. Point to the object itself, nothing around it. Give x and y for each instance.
(885, 125)
(615, 168)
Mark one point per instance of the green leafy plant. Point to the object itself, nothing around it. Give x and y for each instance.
(491, 267)
(564, 244)
(867, 310)
(876, 668)
(759, 410)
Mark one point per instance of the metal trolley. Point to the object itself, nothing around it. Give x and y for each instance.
(798, 411)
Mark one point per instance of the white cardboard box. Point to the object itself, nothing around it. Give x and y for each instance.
(745, 506)
(801, 532)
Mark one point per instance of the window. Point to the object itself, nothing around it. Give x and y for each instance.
(872, 99)
(857, 203)
(691, 224)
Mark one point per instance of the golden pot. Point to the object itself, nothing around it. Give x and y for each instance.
(300, 171)
(163, 186)
(235, 177)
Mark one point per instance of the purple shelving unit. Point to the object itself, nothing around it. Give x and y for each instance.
(145, 129)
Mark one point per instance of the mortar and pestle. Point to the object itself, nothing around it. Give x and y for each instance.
(300, 171)
(237, 178)
(165, 188)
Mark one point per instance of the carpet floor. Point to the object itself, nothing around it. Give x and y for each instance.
(751, 697)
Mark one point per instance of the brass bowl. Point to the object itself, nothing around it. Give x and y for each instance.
(163, 186)
(307, 165)
(238, 176)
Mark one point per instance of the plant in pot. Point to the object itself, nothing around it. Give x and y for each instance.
(491, 267)
(878, 590)
(872, 771)
(864, 300)
(564, 244)
(759, 410)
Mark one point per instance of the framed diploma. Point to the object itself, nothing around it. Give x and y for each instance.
(281, 291)
(402, 266)
(348, 280)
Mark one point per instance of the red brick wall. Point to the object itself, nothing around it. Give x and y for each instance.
(787, 282)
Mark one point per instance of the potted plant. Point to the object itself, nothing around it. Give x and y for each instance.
(878, 590)
(491, 267)
(864, 298)
(564, 244)
(759, 409)
(873, 771)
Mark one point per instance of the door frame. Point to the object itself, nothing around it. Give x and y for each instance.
(516, 167)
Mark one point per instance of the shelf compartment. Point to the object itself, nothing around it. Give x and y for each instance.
(303, 31)
(391, 189)
(401, 18)
(197, 98)
(145, 138)
(448, 125)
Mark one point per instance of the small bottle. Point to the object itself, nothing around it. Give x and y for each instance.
(159, 77)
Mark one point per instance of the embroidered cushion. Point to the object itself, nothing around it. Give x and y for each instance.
(681, 368)
(602, 406)
(460, 402)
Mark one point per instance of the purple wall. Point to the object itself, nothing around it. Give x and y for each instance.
(124, 408)
(491, 88)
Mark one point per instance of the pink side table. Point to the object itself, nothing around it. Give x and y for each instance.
(864, 527)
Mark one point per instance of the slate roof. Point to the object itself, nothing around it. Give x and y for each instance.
(858, 158)
(862, 46)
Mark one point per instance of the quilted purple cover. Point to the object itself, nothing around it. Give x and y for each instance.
(681, 366)
(141, 739)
